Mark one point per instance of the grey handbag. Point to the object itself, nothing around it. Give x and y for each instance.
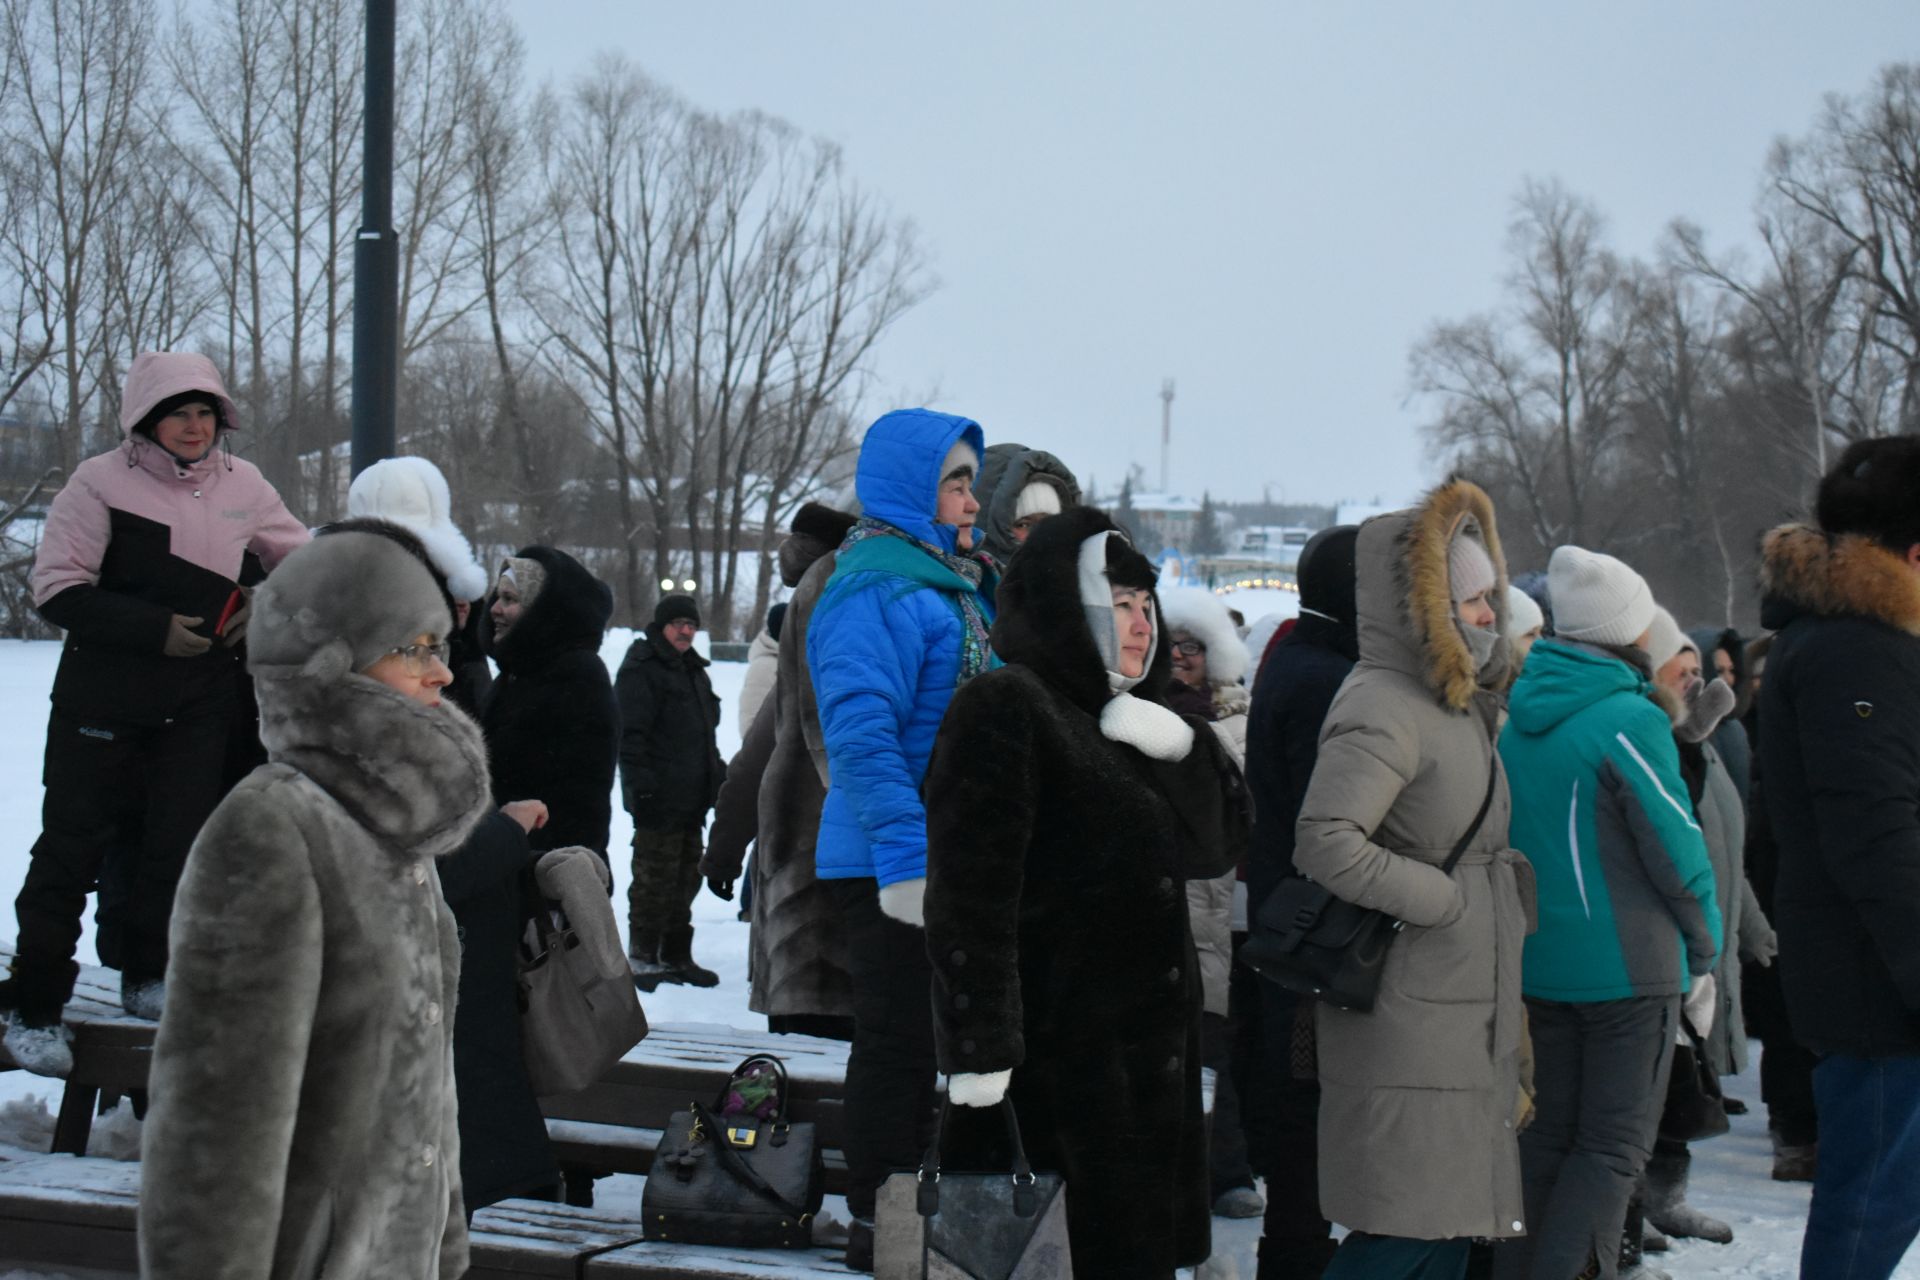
(577, 1018)
(973, 1226)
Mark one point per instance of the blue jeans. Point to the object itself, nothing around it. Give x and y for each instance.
(1866, 1192)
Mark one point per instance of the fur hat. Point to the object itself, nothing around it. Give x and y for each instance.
(1597, 598)
(1203, 615)
(412, 493)
(675, 608)
(1523, 615)
(1874, 490)
(341, 603)
(1665, 639)
(1469, 569)
(1037, 498)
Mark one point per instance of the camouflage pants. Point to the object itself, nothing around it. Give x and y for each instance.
(666, 879)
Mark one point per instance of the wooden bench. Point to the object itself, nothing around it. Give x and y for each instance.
(82, 1211)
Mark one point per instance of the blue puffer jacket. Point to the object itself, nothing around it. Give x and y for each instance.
(884, 647)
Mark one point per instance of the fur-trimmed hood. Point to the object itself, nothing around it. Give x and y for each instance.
(1203, 615)
(1804, 570)
(414, 776)
(1403, 600)
(1040, 622)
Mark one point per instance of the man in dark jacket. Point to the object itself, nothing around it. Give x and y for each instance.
(670, 771)
(1841, 757)
(1291, 695)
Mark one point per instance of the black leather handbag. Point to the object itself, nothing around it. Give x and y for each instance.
(1696, 1108)
(746, 1178)
(1314, 944)
(942, 1225)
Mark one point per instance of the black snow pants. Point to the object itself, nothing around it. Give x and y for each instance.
(128, 797)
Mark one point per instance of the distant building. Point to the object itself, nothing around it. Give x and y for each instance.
(1162, 520)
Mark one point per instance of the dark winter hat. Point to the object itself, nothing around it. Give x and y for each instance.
(151, 418)
(1874, 490)
(1326, 574)
(341, 603)
(776, 616)
(674, 608)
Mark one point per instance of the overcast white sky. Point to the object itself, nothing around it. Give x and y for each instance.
(1268, 202)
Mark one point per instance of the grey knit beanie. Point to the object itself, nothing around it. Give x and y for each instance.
(341, 603)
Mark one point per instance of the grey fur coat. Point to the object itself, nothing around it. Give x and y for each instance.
(303, 1101)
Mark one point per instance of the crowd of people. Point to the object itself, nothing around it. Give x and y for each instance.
(1004, 811)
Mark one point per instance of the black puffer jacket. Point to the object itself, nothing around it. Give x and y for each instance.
(553, 730)
(670, 766)
(1841, 762)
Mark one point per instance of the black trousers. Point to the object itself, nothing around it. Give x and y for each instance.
(1786, 1069)
(891, 1069)
(129, 800)
(1281, 1098)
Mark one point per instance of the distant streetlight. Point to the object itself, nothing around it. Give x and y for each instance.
(688, 585)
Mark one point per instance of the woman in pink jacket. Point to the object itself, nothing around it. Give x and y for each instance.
(145, 562)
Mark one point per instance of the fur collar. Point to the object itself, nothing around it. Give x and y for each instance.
(415, 777)
(1404, 599)
(1804, 570)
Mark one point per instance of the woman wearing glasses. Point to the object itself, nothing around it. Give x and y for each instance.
(303, 1113)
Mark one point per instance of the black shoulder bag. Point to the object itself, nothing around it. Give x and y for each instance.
(1315, 944)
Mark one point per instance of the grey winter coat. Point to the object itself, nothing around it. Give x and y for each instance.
(1723, 822)
(1210, 902)
(303, 1118)
(1418, 1097)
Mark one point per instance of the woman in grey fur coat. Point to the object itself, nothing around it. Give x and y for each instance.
(303, 1117)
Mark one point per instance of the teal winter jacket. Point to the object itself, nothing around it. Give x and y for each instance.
(1626, 893)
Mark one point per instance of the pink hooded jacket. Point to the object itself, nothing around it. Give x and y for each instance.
(215, 510)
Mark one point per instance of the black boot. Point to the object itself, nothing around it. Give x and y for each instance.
(676, 951)
(1633, 1265)
(643, 957)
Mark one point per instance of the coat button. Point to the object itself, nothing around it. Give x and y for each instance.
(1173, 1063)
(1518, 1226)
(196, 493)
(433, 1013)
(962, 1001)
(419, 873)
(1173, 976)
(967, 1046)
(428, 1155)
(958, 957)
(1166, 884)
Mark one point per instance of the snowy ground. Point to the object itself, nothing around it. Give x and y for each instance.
(1730, 1174)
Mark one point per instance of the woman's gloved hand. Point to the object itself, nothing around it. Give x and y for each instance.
(182, 640)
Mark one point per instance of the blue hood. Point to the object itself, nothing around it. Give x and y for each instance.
(898, 477)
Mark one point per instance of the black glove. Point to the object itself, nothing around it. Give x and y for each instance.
(722, 889)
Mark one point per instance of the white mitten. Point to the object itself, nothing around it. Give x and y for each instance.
(905, 901)
(979, 1091)
(1147, 726)
(1701, 1004)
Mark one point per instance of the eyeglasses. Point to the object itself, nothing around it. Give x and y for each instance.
(418, 659)
(1189, 648)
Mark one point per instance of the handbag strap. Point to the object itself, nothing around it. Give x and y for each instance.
(740, 1168)
(1486, 803)
(927, 1200)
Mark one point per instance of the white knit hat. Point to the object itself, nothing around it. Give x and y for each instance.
(1470, 569)
(1665, 638)
(1523, 614)
(1597, 598)
(412, 493)
(1037, 498)
(959, 458)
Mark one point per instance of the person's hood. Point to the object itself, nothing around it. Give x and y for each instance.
(1404, 600)
(898, 475)
(1562, 678)
(570, 612)
(412, 493)
(160, 375)
(1005, 470)
(1806, 571)
(816, 530)
(1204, 616)
(1041, 624)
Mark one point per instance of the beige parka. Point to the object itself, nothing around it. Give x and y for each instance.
(1417, 1136)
